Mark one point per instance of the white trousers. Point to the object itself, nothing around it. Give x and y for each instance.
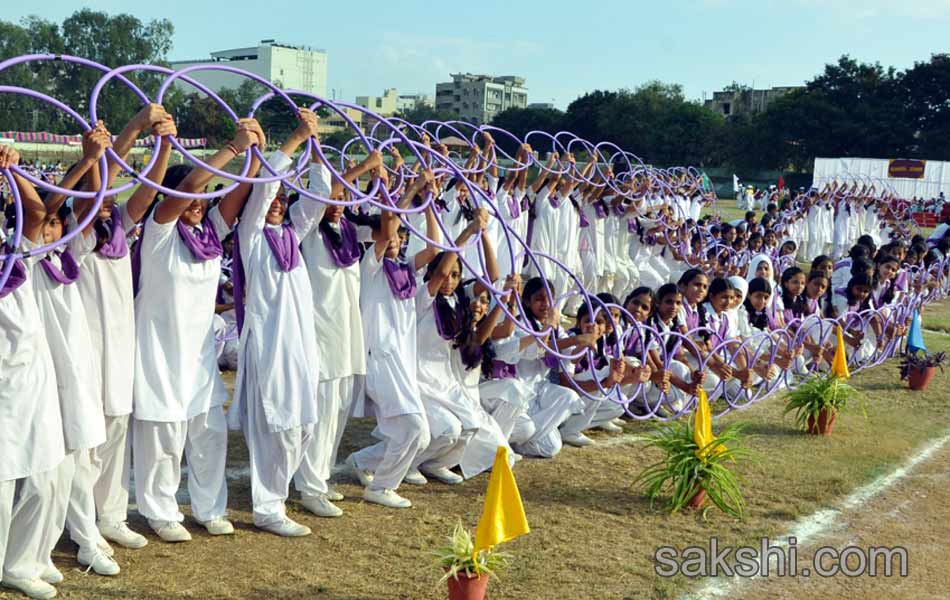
(112, 461)
(274, 456)
(401, 438)
(159, 447)
(552, 405)
(26, 513)
(74, 506)
(333, 409)
(512, 419)
(447, 439)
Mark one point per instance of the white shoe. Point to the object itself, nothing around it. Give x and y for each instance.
(516, 457)
(414, 477)
(287, 528)
(98, 562)
(219, 526)
(105, 548)
(388, 498)
(51, 575)
(321, 506)
(444, 475)
(170, 531)
(333, 495)
(122, 535)
(611, 427)
(365, 477)
(578, 440)
(34, 588)
(619, 422)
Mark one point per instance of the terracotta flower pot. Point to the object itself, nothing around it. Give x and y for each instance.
(919, 379)
(468, 587)
(825, 422)
(698, 499)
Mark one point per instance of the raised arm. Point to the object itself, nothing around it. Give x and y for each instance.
(143, 196)
(147, 118)
(172, 207)
(427, 254)
(94, 144)
(34, 211)
(442, 272)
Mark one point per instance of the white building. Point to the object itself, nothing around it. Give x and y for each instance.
(385, 105)
(407, 102)
(293, 67)
(478, 98)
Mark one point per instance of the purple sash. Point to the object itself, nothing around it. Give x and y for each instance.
(110, 236)
(342, 245)
(600, 209)
(203, 243)
(551, 361)
(584, 222)
(503, 370)
(448, 320)
(514, 208)
(16, 279)
(401, 279)
(692, 316)
(69, 272)
(554, 200)
(284, 246)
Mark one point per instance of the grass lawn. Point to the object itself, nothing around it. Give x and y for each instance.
(593, 535)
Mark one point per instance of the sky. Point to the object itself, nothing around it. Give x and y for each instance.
(563, 49)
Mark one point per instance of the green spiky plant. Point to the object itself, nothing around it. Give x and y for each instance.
(817, 393)
(458, 557)
(684, 473)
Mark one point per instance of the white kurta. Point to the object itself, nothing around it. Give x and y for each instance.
(389, 334)
(176, 366)
(77, 379)
(278, 336)
(106, 290)
(32, 439)
(336, 291)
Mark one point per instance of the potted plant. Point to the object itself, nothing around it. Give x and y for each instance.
(467, 574)
(817, 401)
(694, 474)
(918, 369)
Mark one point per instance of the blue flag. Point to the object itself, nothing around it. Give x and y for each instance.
(915, 337)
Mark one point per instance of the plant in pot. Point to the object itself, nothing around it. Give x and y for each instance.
(919, 369)
(466, 572)
(696, 464)
(817, 401)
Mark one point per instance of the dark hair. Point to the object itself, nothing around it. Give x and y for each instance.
(861, 265)
(888, 296)
(667, 289)
(758, 320)
(796, 305)
(820, 260)
(749, 213)
(688, 276)
(858, 251)
(531, 287)
(856, 281)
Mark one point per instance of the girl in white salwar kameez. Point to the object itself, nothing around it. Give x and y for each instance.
(462, 432)
(275, 393)
(332, 254)
(32, 444)
(387, 303)
(179, 395)
(106, 290)
(67, 331)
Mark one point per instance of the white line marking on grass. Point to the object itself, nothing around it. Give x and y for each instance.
(935, 332)
(821, 521)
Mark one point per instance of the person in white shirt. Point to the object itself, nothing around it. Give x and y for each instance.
(31, 444)
(178, 392)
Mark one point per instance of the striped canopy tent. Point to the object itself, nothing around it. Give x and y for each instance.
(43, 137)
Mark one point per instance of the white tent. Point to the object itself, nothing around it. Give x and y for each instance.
(903, 177)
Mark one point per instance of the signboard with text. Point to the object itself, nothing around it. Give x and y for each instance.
(905, 168)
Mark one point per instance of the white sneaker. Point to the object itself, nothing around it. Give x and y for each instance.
(51, 575)
(170, 531)
(98, 562)
(34, 588)
(365, 477)
(516, 457)
(414, 477)
(122, 535)
(444, 475)
(321, 506)
(388, 498)
(578, 440)
(219, 526)
(333, 495)
(105, 548)
(618, 421)
(611, 427)
(286, 528)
